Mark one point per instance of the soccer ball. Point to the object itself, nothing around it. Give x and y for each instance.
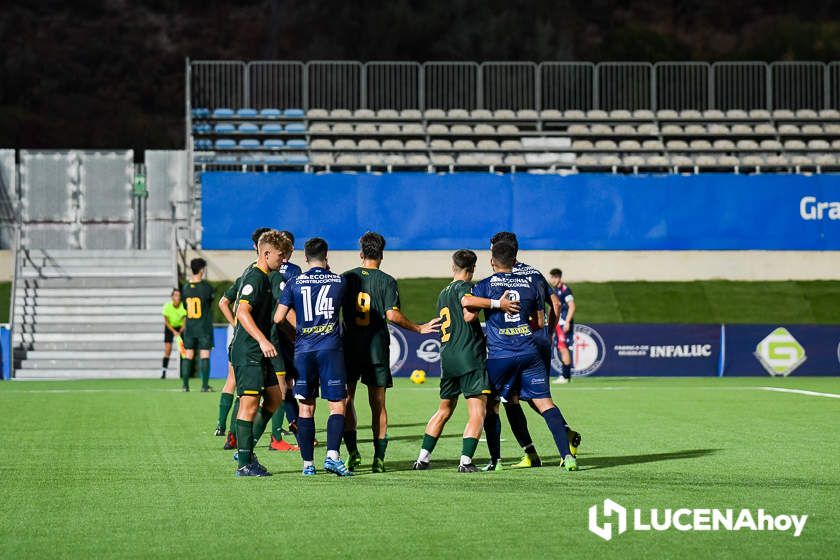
(418, 376)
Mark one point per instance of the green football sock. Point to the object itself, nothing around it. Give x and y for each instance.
(244, 442)
(259, 424)
(186, 368)
(379, 447)
(429, 442)
(204, 371)
(469, 446)
(277, 422)
(225, 402)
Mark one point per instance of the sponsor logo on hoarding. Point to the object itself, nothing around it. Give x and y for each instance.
(812, 209)
(429, 351)
(663, 351)
(780, 353)
(399, 348)
(685, 519)
(589, 351)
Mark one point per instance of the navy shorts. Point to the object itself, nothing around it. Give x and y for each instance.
(518, 375)
(544, 348)
(324, 370)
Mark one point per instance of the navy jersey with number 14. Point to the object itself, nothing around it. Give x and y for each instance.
(316, 297)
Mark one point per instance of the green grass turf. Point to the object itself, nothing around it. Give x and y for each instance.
(131, 469)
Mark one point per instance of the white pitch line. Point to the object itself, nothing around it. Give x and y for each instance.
(801, 392)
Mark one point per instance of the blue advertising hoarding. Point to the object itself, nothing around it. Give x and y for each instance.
(419, 211)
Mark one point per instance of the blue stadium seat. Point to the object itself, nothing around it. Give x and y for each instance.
(272, 128)
(293, 113)
(248, 127)
(225, 144)
(277, 159)
(203, 158)
(273, 143)
(203, 144)
(295, 127)
(249, 143)
(200, 113)
(226, 159)
(202, 127)
(270, 113)
(297, 158)
(296, 143)
(224, 128)
(222, 113)
(246, 112)
(251, 159)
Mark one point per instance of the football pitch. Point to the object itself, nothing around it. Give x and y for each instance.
(131, 469)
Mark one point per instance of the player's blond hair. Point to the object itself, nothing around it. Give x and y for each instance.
(277, 240)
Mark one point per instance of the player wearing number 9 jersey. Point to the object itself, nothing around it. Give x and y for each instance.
(315, 297)
(514, 365)
(198, 297)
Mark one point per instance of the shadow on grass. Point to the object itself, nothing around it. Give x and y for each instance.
(596, 462)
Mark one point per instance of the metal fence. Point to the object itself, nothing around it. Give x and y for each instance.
(513, 85)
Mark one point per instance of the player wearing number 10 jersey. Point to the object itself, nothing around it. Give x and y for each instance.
(198, 298)
(315, 296)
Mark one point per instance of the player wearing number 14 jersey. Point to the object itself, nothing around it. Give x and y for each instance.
(315, 296)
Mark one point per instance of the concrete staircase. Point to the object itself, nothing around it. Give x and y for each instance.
(91, 314)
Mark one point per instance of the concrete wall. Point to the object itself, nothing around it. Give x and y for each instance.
(7, 266)
(586, 266)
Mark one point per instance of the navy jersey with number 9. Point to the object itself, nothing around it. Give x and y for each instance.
(508, 334)
(316, 297)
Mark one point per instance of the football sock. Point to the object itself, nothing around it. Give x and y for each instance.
(243, 441)
(519, 426)
(277, 423)
(429, 443)
(225, 402)
(204, 370)
(379, 447)
(350, 441)
(260, 422)
(566, 370)
(556, 424)
(186, 369)
(493, 433)
(165, 364)
(306, 438)
(290, 406)
(335, 427)
(468, 448)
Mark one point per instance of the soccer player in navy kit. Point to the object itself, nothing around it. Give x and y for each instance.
(514, 364)
(315, 296)
(566, 325)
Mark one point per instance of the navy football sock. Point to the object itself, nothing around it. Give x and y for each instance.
(493, 433)
(566, 370)
(335, 427)
(306, 438)
(557, 426)
(290, 406)
(519, 426)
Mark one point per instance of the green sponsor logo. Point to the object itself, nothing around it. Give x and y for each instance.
(780, 353)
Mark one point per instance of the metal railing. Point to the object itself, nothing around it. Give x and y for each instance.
(561, 86)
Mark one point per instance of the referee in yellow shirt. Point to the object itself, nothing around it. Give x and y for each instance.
(174, 315)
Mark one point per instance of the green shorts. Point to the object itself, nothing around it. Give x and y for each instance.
(198, 342)
(372, 375)
(472, 384)
(254, 376)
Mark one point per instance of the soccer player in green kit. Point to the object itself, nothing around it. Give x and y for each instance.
(198, 298)
(371, 300)
(251, 352)
(463, 360)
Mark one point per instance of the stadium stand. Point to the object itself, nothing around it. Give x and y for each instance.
(751, 139)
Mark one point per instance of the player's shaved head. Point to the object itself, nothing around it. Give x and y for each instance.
(255, 237)
(373, 245)
(504, 254)
(275, 239)
(197, 265)
(507, 237)
(315, 249)
(464, 259)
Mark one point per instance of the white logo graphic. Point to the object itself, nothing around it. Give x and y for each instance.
(399, 348)
(685, 519)
(247, 289)
(780, 353)
(429, 351)
(605, 531)
(589, 351)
